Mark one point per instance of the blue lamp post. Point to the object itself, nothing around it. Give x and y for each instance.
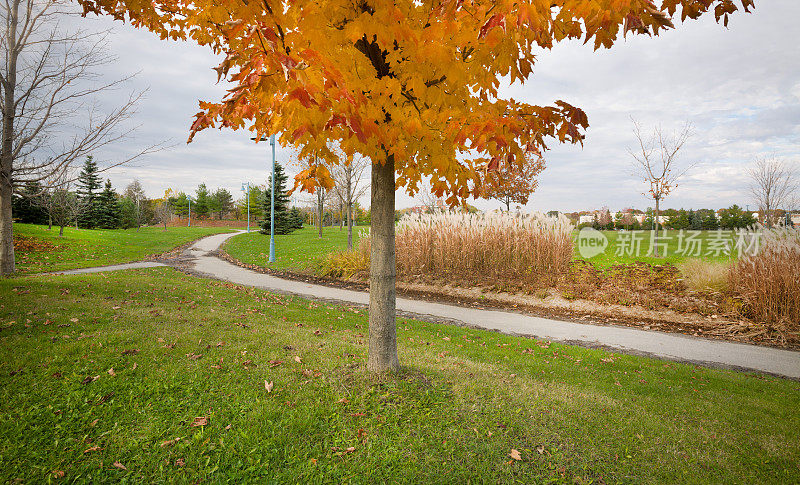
(246, 190)
(272, 200)
(272, 205)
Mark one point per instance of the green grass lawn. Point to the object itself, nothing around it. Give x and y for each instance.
(301, 250)
(622, 248)
(189, 351)
(82, 248)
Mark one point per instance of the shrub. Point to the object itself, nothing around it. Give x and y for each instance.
(768, 282)
(346, 264)
(700, 275)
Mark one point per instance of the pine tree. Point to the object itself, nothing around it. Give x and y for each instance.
(283, 219)
(201, 205)
(297, 219)
(23, 207)
(107, 210)
(89, 184)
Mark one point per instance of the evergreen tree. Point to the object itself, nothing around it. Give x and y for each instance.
(221, 202)
(710, 222)
(201, 205)
(107, 210)
(23, 206)
(297, 218)
(89, 184)
(180, 205)
(697, 222)
(283, 220)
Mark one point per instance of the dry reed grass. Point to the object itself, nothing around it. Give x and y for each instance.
(769, 282)
(494, 248)
(489, 248)
(701, 275)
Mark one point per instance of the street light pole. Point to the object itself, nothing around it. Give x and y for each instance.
(189, 224)
(272, 200)
(247, 195)
(272, 205)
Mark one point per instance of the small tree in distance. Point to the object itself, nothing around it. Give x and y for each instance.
(656, 163)
(514, 183)
(773, 183)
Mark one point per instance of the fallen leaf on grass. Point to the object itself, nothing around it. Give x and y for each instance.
(169, 346)
(94, 423)
(515, 455)
(268, 386)
(58, 474)
(89, 379)
(350, 449)
(607, 361)
(179, 462)
(130, 352)
(135, 365)
(93, 448)
(73, 320)
(111, 372)
(343, 400)
(199, 421)
(313, 461)
(249, 363)
(170, 442)
(358, 415)
(275, 363)
(194, 356)
(540, 449)
(119, 465)
(297, 359)
(105, 398)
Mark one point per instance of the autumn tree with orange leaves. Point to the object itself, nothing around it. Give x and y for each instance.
(412, 85)
(513, 182)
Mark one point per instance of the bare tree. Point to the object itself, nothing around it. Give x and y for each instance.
(59, 202)
(773, 183)
(48, 79)
(429, 200)
(163, 211)
(349, 186)
(656, 162)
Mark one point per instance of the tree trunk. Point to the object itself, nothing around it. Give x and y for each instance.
(349, 211)
(382, 353)
(7, 265)
(49, 222)
(61, 230)
(655, 237)
(319, 211)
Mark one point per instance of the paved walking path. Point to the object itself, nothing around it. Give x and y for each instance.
(714, 353)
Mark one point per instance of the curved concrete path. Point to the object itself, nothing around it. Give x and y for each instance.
(713, 353)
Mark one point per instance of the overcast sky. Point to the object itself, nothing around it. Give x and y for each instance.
(739, 87)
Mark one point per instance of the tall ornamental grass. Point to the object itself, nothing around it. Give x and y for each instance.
(487, 248)
(769, 281)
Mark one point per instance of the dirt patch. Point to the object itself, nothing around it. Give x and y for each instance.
(680, 311)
